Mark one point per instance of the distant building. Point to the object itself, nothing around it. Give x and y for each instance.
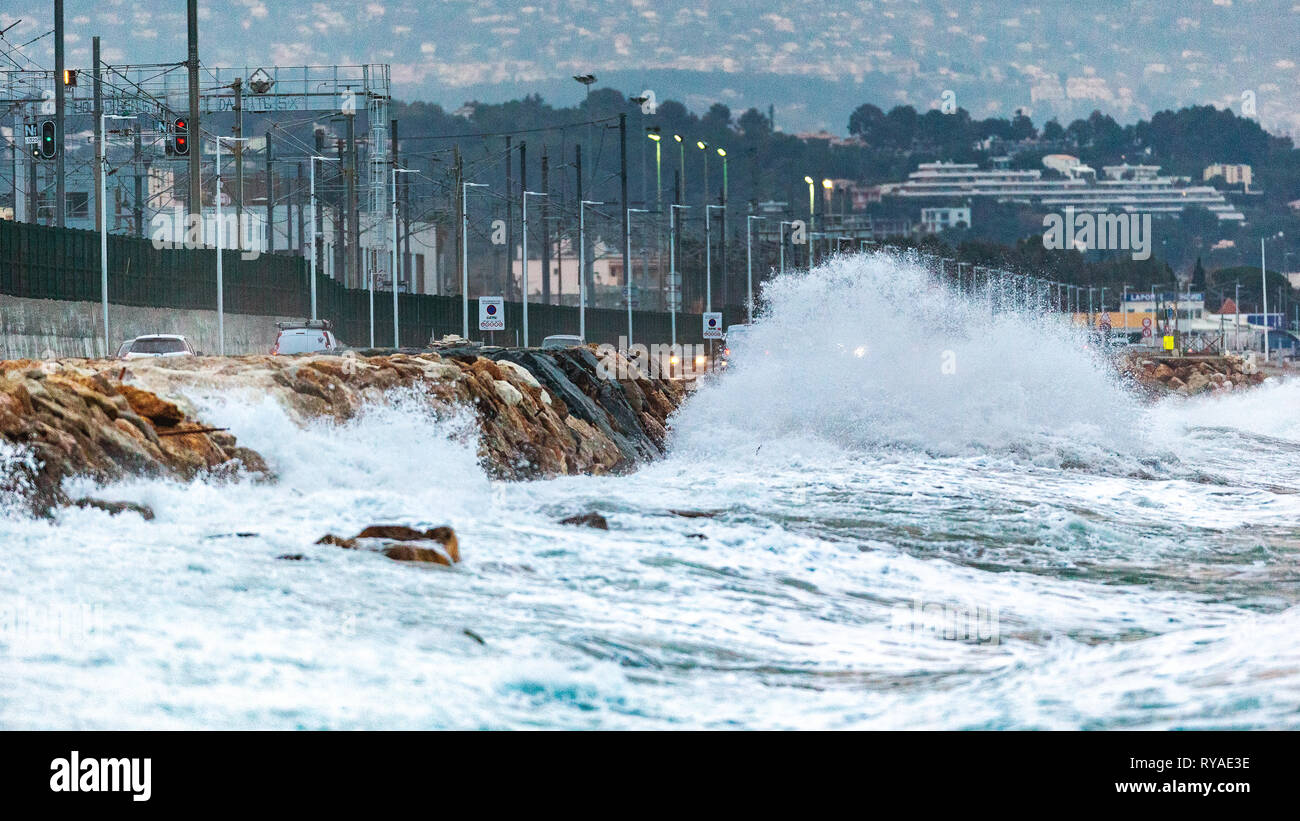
(937, 220)
(1125, 189)
(1232, 173)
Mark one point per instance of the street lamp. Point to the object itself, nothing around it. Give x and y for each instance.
(464, 255)
(524, 253)
(103, 220)
(314, 235)
(723, 154)
(749, 267)
(675, 295)
(221, 308)
(586, 80)
(627, 275)
(681, 162)
(582, 266)
(703, 146)
(708, 259)
(653, 133)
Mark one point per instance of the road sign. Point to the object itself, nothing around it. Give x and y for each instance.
(1146, 332)
(713, 325)
(1146, 323)
(1105, 317)
(1169, 342)
(491, 313)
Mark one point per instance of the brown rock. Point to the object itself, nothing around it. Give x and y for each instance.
(151, 407)
(416, 553)
(592, 519)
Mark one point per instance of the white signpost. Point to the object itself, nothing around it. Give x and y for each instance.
(713, 325)
(491, 313)
(31, 134)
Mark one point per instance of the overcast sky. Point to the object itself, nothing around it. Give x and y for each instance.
(815, 61)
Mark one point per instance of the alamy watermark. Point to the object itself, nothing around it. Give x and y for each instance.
(1090, 231)
(657, 360)
(953, 622)
(179, 229)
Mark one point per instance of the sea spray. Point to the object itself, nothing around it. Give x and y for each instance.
(871, 351)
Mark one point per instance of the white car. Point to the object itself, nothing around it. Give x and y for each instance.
(152, 346)
(305, 337)
(562, 341)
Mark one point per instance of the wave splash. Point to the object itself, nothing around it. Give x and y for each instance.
(870, 351)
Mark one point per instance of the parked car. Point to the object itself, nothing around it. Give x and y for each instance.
(735, 336)
(562, 341)
(152, 346)
(310, 336)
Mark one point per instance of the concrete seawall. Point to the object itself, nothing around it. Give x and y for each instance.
(47, 328)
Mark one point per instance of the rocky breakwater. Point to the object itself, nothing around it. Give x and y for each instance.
(1190, 375)
(60, 421)
(538, 413)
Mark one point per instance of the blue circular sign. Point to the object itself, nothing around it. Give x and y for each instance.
(712, 322)
(492, 310)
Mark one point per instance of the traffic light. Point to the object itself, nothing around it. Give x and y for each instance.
(180, 142)
(49, 147)
(70, 77)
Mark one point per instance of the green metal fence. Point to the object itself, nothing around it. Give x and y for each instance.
(43, 262)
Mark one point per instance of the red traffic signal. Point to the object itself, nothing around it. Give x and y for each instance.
(181, 136)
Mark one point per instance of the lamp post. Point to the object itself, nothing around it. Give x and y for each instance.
(708, 259)
(676, 293)
(582, 266)
(524, 253)
(314, 235)
(653, 133)
(749, 266)
(681, 161)
(103, 217)
(587, 80)
(464, 256)
(627, 275)
(725, 284)
(221, 307)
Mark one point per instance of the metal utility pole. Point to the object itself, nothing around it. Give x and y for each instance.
(523, 230)
(508, 278)
(1263, 287)
(195, 198)
(238, 150)
(99, 133)
(585, 267)
(546, 228)
(582, 253)
(627, 224)
(270, 200)
(137, 155)
(749, 268)
(352, 256)
(457, 170)
(398, 262)
(674, 297)
(60, 184)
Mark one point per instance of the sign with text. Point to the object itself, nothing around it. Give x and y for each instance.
(713, 325)
(491, 313)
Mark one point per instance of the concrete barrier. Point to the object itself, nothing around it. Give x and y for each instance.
(39, 328)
